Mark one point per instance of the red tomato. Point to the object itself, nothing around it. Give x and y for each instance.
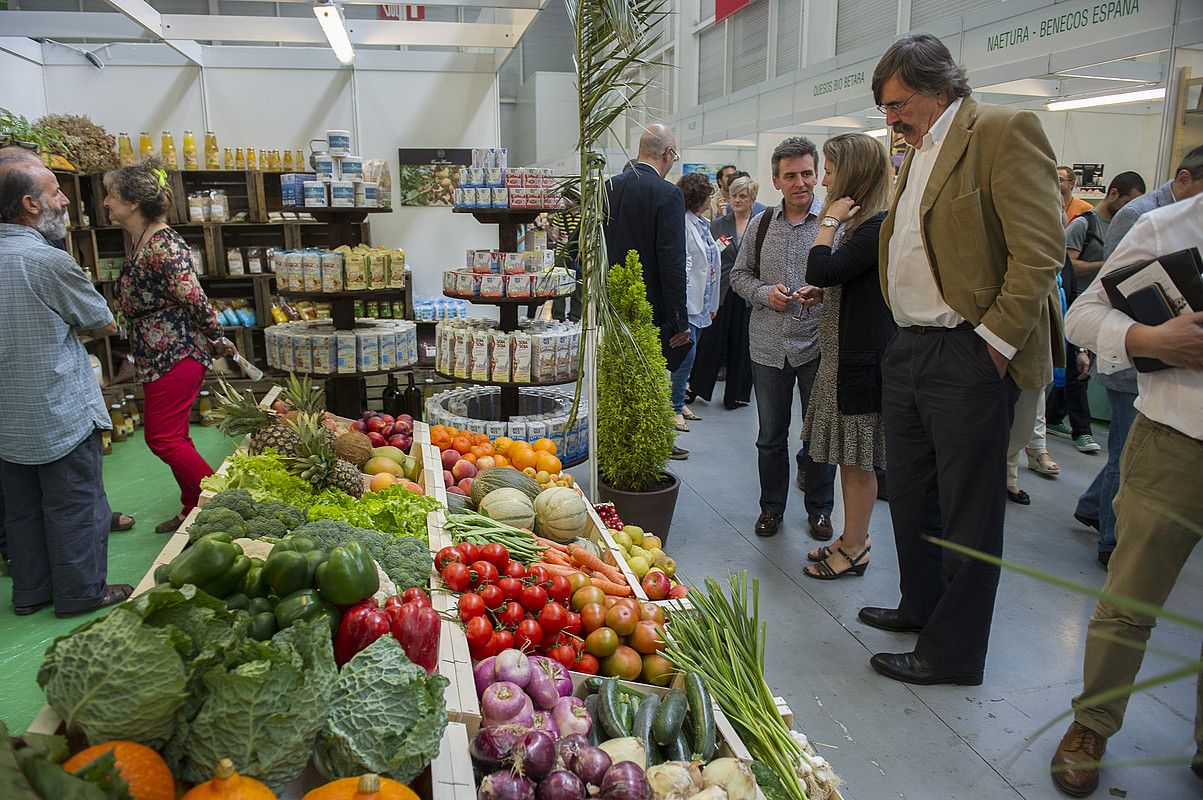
(496, 554)
(457, 577)
(448, 555)
(511, 615)
(559, 589)
(510, 587)
(469, 551)
(484, 573)
(573, 623)
(565, 654)
(534, 598)
(493, 596)
(588, 664)
(529, 635)
(417, 595)
(539, 575)
(502, 640)
(515, 569)
(552, 618)
(479, 632)
(471, 606)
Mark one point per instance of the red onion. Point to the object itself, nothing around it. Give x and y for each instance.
(504, 703)
(590, 764)
(535, 754)
(541, 688)
(571, 716)
(544, 721)
(561, 785)
(506, 786)
(484, 674)
(491, 747)
(512, 665)
(570, 745)
(625, 781)
(558, 673)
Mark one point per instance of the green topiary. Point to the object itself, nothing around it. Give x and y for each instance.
(634, 405)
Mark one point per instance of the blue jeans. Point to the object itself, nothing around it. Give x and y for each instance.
(680, 376)
(774, 406)
(1096, 502)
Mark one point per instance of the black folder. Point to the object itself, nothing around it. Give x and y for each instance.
(1152, 305)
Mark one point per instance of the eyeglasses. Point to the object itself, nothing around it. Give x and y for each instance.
(676, 155)
(1065, 180)
(885, 108)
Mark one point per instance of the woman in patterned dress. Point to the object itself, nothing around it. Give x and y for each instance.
(174, 330)
(843, 420)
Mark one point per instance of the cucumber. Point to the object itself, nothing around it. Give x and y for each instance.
(609, 711)
(670, 717)
(591, 702)
(642, 727)
(705, 730)
(677, 749)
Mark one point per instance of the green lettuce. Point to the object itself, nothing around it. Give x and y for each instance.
(394, 510)
(387, 716)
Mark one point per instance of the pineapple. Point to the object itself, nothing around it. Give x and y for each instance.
(316, 460)
(238, 415)
(304, 396)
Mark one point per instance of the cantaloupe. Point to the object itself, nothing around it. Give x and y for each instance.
(510, 506)
(560, 514)
(501, 478)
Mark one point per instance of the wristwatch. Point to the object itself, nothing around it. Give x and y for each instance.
(829, 222)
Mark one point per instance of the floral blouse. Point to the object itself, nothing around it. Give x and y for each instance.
(169, 316)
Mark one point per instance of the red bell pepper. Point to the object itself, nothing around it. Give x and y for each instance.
(416, 627)
(362, 624)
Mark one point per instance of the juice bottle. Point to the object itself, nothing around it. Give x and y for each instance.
(286, 161)
(239, 161)
(146, 147)
(125, 149)
(227, 159)
(118, 420)
(205, 407)
(128, 413)
(250, 158)
(191, 157)
(299, 161)
(212, 153)
(168, 148)
(263, 160)
(273, 160)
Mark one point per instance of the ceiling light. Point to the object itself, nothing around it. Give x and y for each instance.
(736, 143)
(878, 133)
(331, 19)
(1141, 96)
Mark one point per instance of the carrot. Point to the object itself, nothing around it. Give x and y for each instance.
(552, 557)
(558, 569)
(612, 588)
(586, 559)
(548, 543)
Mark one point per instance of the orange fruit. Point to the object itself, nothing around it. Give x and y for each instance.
(501, 461)
(143, 768)
(441, 440)
(480, 438)
(523, 457)
(469, 456)
(502, 444)
(485, 448)
(546, 462)
(435, 430)
(462, 443)
(546, 445)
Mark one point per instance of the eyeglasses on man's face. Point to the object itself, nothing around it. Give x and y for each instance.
(886, 108)
(676, 155)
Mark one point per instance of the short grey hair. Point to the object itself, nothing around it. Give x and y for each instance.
(922, 62)
(18, 181)
(18, 155)
(741, 184)
(794, 147)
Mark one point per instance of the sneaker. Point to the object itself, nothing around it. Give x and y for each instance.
(1062, 430)
(1086, 444)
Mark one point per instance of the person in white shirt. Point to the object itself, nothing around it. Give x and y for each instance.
(1157, 510)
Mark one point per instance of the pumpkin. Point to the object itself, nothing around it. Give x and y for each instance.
(488, 480)
(227, 784)
(510, 506)
(560, 514)
(142, 768)
(365, 787)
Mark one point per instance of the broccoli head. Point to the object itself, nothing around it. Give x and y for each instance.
(291, 516)
(217, 520)
(260, 527)
(405, 559)
(238, 500)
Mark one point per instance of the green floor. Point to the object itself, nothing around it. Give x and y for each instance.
(138, 484)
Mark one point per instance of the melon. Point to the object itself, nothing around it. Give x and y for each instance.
(387, 451)
(458, 503)
(510, 506)
(503, 478)
(560, 514)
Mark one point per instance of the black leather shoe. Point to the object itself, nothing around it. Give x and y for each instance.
(22, 611)
(820, 526)
(910, 668)
(679, 453)
(888, 619)
(767, 523)
(1089, 522)
(1105, 559)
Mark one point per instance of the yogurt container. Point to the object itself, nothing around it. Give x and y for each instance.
(339, 141)
(351, 168)
(324, 167)
(342, 194)
(315, 194)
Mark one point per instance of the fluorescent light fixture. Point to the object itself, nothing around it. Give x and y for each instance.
(331, 19)
(1144, 95)
(736, 143)
(878, 133)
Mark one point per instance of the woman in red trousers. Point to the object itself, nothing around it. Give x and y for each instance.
(174, 330)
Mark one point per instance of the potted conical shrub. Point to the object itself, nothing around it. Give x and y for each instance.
(634, 409)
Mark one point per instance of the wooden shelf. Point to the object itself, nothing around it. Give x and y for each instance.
(503, 384)
(495, 216)
(393, 368)
(353, 295)
(507, 301)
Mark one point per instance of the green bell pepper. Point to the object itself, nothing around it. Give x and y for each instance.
(162, 574)
(221, 537)
(331, 617)
(238, 601)
(262, 626)
(301, 606)
(252, 582)
(204, 562)
(285, 571)
(347, 576)
(314, 558)
(230, 580)
(258, 605)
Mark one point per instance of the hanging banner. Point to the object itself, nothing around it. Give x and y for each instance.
(725, 8)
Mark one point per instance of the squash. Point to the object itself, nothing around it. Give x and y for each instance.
(503, 478)
(143, 769)
(510, 506)
(560, 514)
(458, 504)
(227, 784)
(365, 787)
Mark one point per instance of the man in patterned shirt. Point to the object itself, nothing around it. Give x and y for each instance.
(57, 514)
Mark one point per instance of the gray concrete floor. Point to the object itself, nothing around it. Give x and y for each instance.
(891, 740)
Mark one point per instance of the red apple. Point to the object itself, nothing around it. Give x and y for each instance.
(399, 441)
(403, 426)
(406, 442)
(376, 439)
(678, 591)
(456, 490)
(450, 456)
(376, 424)
(367, 415)
(413, 487)
(448, 479)
(386, 430)
(463, 469)
(657, 585)
(407, 417)
(466, 485)
(360, 426)
(389, 419)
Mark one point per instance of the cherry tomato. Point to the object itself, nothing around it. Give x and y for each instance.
(479, 632)
(448, 555)
(511, 614)
(496, 554)
(510, 587)
(573, 623)
(559, 589)
(533, 598)
(565, 654)
(539, 575)
(469, 551)
(587, 664)
(493, 596)
(483, 573)
(502, 640)
(515, 569)
(552, 618)
(417, 595)
(471, 606)
(578, 580)
(457, 577)
(529, 635)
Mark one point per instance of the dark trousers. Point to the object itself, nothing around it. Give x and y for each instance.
(774, 405)
(948, 421)
(725, 340)
(57, 518)
(1070, 399)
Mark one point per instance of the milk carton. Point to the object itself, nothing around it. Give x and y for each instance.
(367, 345)
(480, 355)
(494, 429)
(513, 263)
(517, 285)
(520, 360)
(516, 429)
(449, 279)
(485, 262)
(492, 286)
(565, 366)
(536, 429)
(459, 354)
(500, 368)
(463, 283)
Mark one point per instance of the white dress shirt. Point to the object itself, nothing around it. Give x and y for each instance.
(915, 298)
(1173, 397)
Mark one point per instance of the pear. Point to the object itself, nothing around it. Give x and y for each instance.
(639, 566)
(635, 533)
(621, 539)
(651, 542)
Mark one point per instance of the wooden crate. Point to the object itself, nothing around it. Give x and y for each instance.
(596, 532)
(455, 662)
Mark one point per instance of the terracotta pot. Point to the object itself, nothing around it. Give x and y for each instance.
(652, 511)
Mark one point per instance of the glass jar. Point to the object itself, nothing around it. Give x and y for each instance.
(239, 159)
(118, 420)
(146, 145)
(205, 407)
(168, 150)
(135, 416)
(286, 161)
(250, 158)
(227, 159)
(191, 155)
(212, 153)
(125, 149)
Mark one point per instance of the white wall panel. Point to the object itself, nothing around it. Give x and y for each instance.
(21, 90)
(1119, 141)
(124, 98)
(277, 108)
(861, 22)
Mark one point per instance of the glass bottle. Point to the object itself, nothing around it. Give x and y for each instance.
(125, 149)
(250, 158)
(299, 161)
(205, 407)
(227, 159)
(118, 420)
(106, 443)
(125, 415)
(146, 146)
(276, 162)
(191, 156)
(414, 400)
(392, 400)
(286, 161)
(263, 160)
(239, 160)
(135, 416)
(168, 148)
(212, 153)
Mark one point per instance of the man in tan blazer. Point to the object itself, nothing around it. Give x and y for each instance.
(969, 256)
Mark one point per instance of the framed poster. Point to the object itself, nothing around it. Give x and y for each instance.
(427, 176)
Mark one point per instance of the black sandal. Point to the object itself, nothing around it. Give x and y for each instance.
(856, 566)
(1019, 496)
(117, 525)
(113, 594)
(823, 552)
